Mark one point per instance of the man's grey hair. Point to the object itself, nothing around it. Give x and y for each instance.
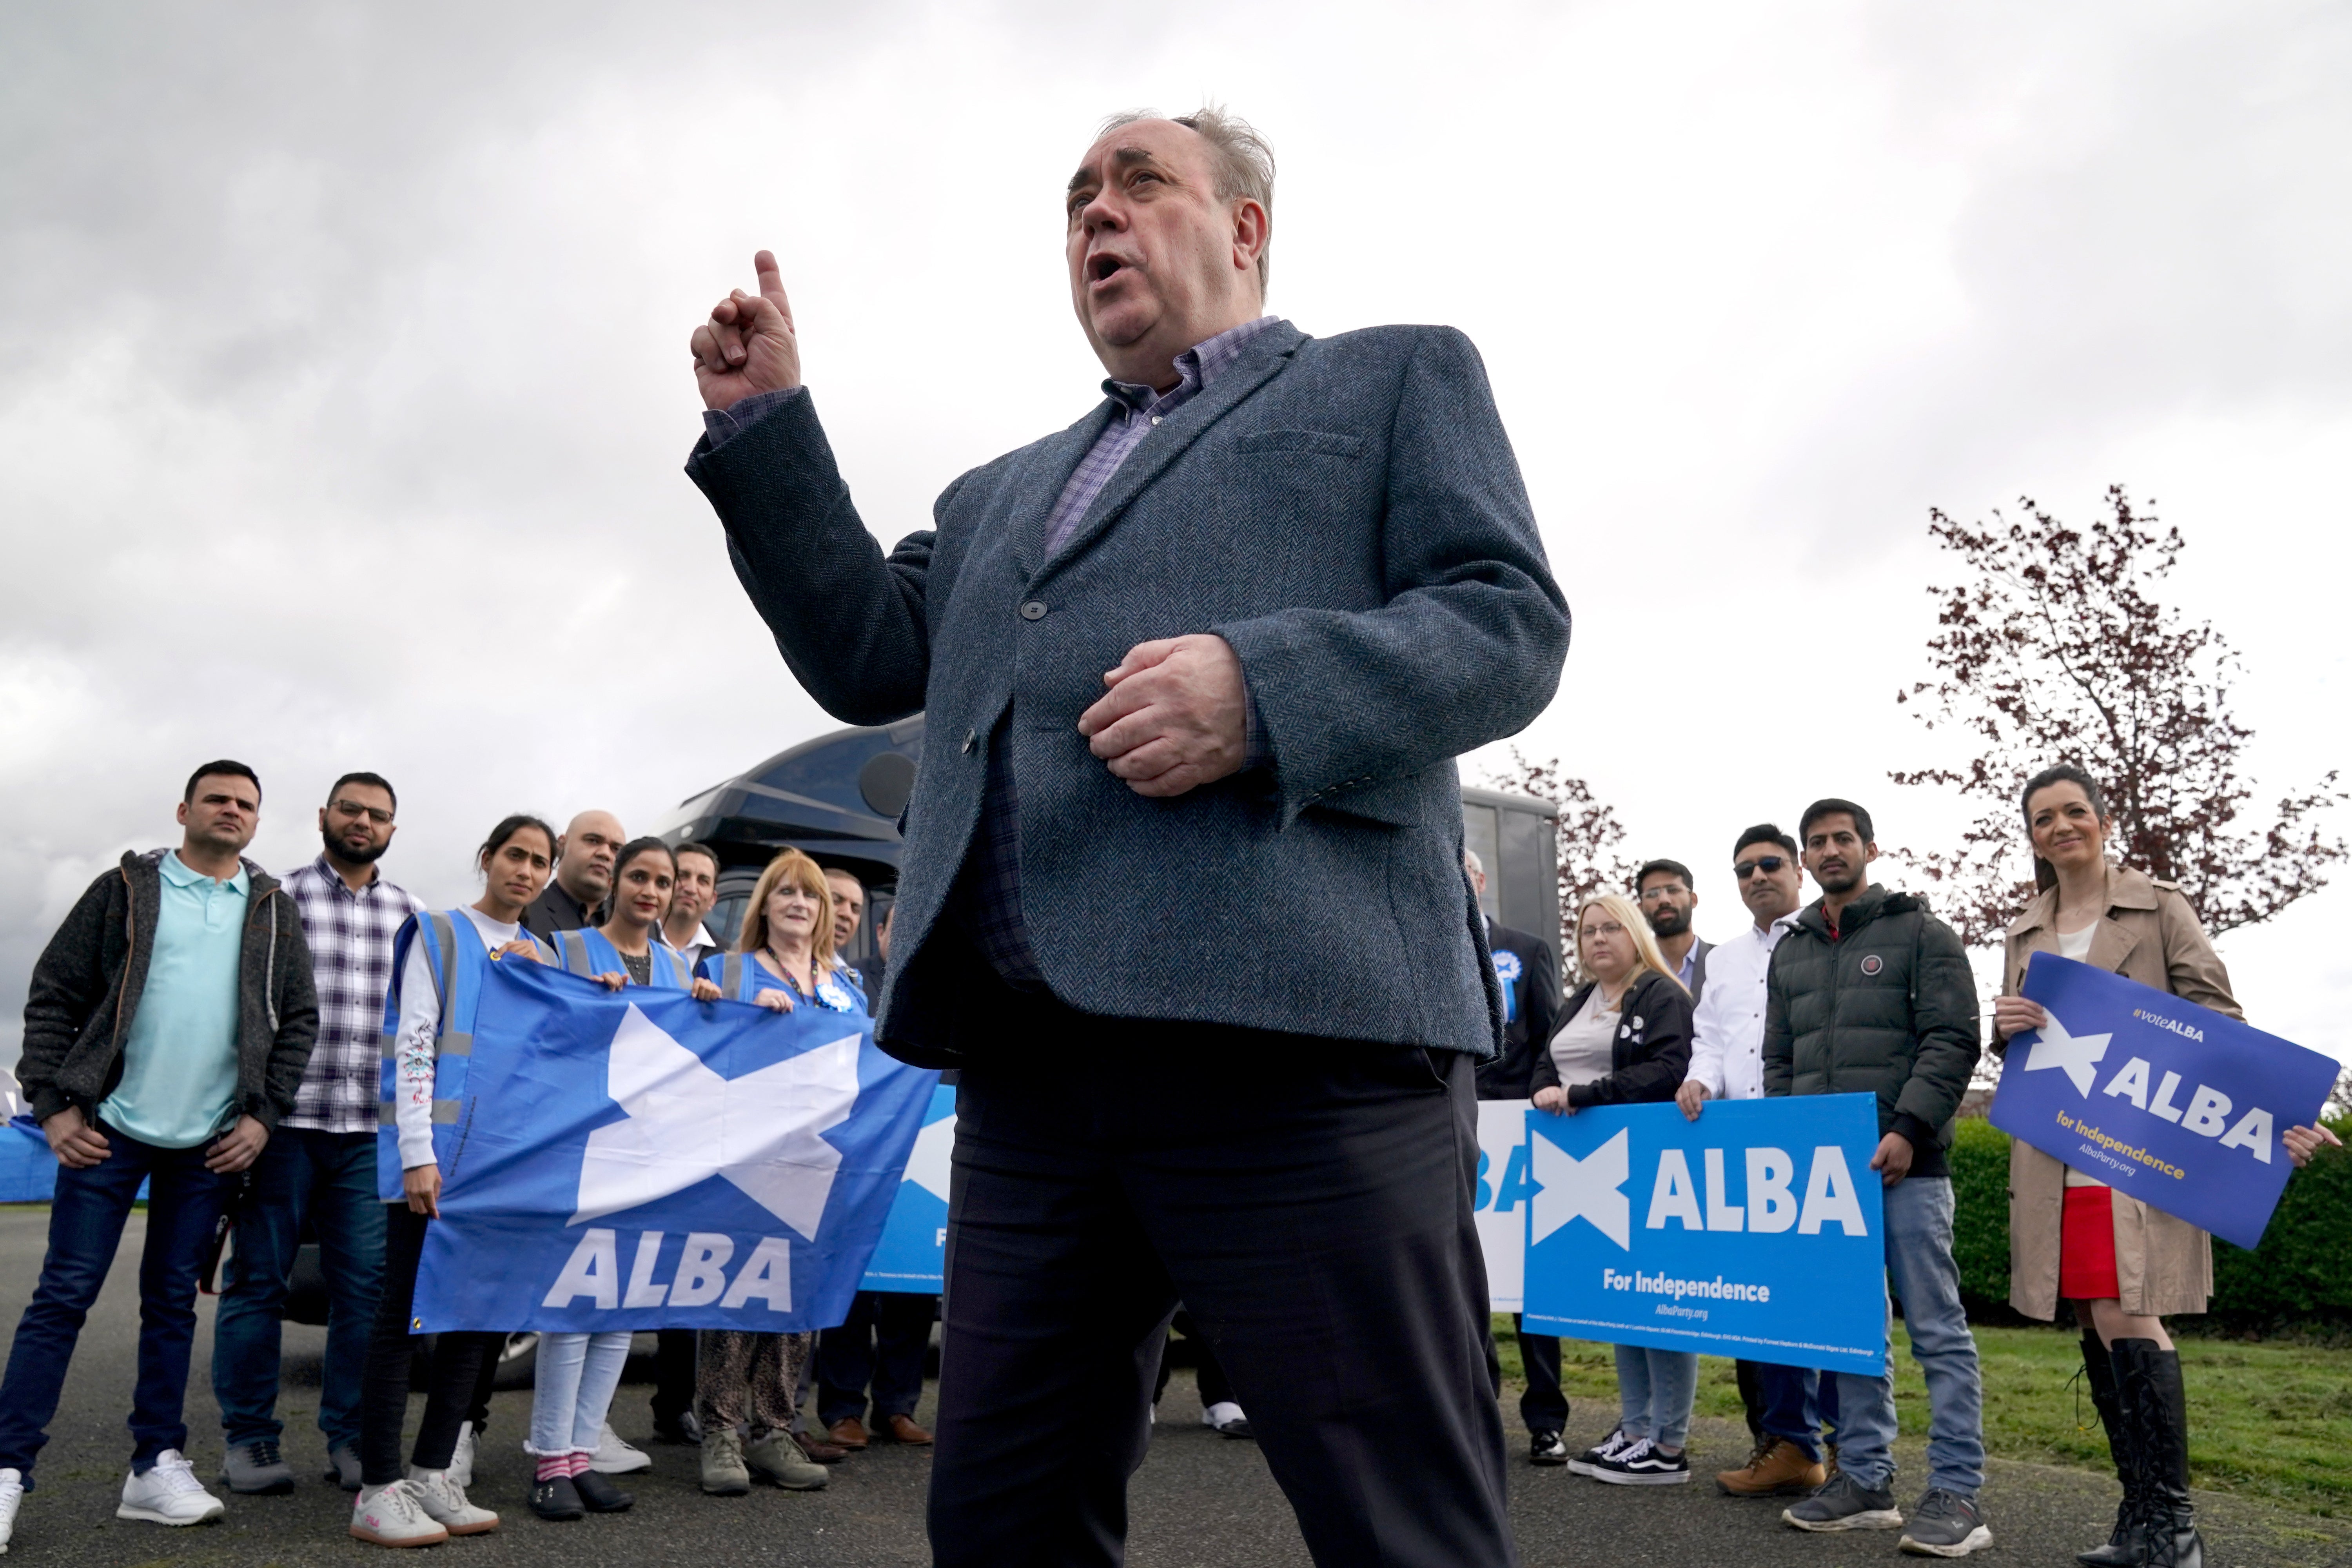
(1243, 160)
(1471, 864)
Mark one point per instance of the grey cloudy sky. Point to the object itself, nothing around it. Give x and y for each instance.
(344, 392)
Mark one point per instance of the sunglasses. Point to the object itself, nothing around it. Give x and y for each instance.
(1767, 864)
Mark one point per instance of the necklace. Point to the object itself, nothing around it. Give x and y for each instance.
(785, 969)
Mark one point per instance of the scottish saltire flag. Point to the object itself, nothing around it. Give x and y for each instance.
(912, 1257)
(640, 1160)
(2171, 1103)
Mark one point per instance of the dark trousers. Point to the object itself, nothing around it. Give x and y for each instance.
(1208, 1372)
(1309, 1203)
(674, 1366)
(1798, 1402)
(1749, 1375)
(329, 1178)
(85, 1219)
(1544, 1407)
(457, 1365)
(880, 1343)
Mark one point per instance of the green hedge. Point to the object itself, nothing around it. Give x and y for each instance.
(2302, 1271)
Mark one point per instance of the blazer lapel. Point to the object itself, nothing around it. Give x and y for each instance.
(1047, 473)
(1258, 364)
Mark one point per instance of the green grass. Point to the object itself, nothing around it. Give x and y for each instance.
(2265, 1419)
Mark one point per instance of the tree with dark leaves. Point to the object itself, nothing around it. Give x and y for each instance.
(1590, 861)
(2056, 647)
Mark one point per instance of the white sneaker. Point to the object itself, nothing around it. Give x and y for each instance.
(394, 1515)
(615, 1457)
(461, 1459)
(169, 1493)
(12, 1494)
(444, 1502)
(1220, 1413)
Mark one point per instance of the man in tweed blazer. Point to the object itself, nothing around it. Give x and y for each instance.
(1182, 894)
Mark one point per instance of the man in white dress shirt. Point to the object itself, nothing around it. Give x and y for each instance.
(1728, 1063)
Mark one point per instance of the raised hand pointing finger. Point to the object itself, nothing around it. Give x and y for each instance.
(749, 344)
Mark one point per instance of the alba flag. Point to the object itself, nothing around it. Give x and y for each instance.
(2171, 1103)
(640, 1160)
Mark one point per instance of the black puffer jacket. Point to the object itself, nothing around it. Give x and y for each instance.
(1649, 1056)
(1886, 1006)
(86, 986)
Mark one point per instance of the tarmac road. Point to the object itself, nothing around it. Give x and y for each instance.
(1199, 1499)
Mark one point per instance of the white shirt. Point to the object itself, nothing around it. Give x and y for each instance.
(420, 1017)
(695, 952)
(1728, 1030)
(1580, 1052)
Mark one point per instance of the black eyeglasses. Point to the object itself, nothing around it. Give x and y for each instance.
(374, 814)
(1768, 864)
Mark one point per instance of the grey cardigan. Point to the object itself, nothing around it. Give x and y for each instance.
(1347, 513)
(86, 984)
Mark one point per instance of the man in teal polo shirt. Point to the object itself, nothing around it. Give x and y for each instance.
(165, 1034)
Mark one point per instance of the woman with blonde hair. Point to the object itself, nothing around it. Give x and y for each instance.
(784, 959)
(2122, 1266)
(1626, 1041)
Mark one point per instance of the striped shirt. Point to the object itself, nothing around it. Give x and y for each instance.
(350, 936)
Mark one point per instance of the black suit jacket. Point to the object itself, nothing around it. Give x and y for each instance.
(1533, 997)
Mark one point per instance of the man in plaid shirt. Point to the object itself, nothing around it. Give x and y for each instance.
(321, 1165)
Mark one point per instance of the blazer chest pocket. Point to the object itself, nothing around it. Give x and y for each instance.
(1329, 443)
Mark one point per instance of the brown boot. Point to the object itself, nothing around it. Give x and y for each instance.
(849, 1433)
(902, 1429)
(1777, 1468)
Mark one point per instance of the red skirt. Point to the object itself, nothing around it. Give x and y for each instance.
(2087, 1245)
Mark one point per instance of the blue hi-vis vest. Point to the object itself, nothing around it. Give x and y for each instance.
(587, 952)
(453, 948)
(742, 977)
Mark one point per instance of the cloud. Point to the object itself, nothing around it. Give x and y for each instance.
(342, 396)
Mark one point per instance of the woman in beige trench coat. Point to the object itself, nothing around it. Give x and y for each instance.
(2130, 924)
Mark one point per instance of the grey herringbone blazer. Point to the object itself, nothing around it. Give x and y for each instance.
(1347, 514)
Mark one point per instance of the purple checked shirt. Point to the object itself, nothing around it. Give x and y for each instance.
(351, 937)
(986, 899)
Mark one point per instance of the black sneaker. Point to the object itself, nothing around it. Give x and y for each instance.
(1640, 1464)
(1844, 1504)
(1545, 1448)
(1945, 1524)
(556, 1499)
(598, 1494)
(683, 1427)
(1607, 1448)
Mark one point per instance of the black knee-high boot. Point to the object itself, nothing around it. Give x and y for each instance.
(2128, 1543)
(2156, 1407)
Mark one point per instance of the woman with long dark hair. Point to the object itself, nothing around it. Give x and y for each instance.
(2124, 1267)
(575, 1374)
(441, 961)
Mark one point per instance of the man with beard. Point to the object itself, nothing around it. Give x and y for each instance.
(321, 1163)
(1870, 992)
(1663, 888)
(584, 876)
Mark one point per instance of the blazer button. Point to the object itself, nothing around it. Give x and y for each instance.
(970, 739)
(1034, 610)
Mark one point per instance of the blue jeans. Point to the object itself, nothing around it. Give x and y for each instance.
(1655, 1390)
(1797, 1401)
(85, 1219)
(572, 1390)
(328, 1178)
(1924, 1278)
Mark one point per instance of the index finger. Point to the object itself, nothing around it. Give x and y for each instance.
(772, 282)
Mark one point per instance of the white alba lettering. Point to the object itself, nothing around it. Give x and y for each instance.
(644, 1290)
(1721, 1215)
(1675, 1196)
(2209, 1112)
(766, 1276)
(702, 1272)
(1830, 1196)
(1771, 1206)
(2162, 1104)
(2131, 1083)
(593, 1271)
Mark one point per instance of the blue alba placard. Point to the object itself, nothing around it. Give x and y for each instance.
(2169, 1102)
(1754, 1231)
(640, 1160)
(913, 1256)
